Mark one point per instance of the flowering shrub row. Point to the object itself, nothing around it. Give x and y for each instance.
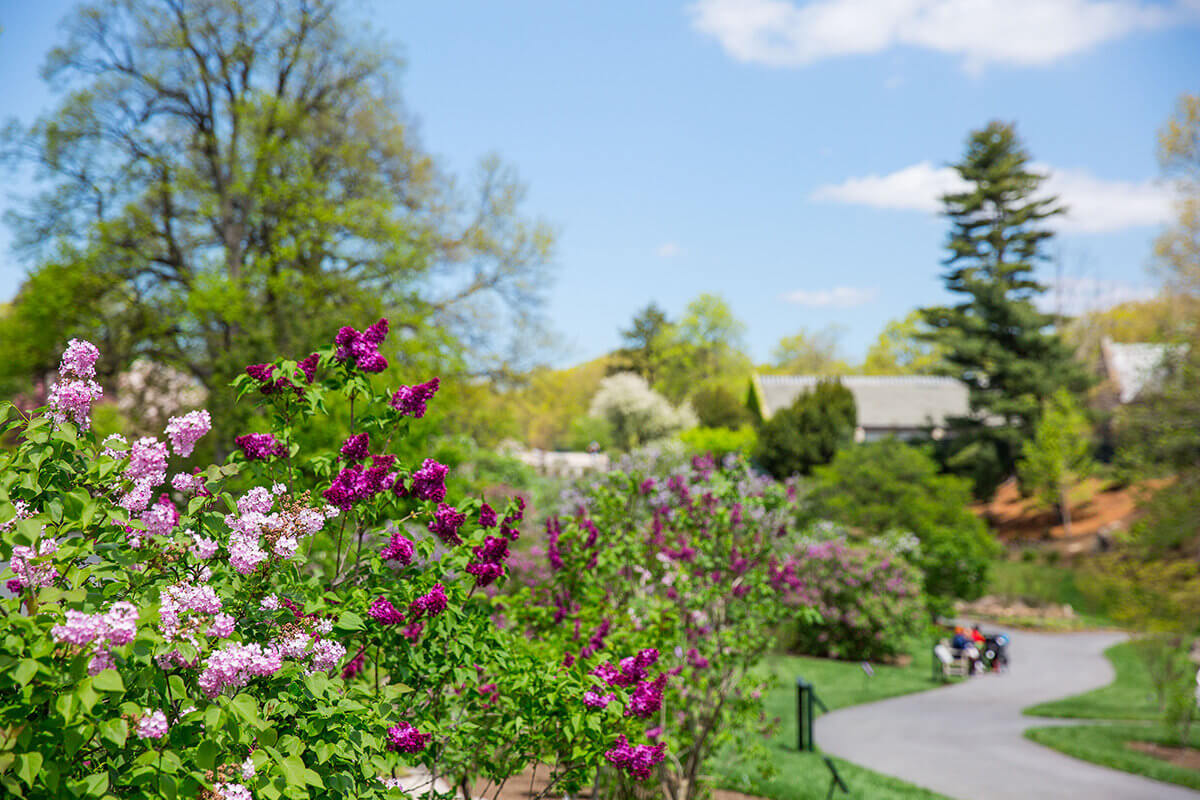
(682, 568)
(288, 624)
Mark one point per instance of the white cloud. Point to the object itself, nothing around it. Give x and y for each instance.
(1094, 205)
(668, 250)
(837, 297)
(1074, 296)
(781, 33)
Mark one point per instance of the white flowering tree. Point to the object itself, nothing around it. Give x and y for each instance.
(637, 413)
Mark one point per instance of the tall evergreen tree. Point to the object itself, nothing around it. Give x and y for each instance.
(995, 338)
(645, 340)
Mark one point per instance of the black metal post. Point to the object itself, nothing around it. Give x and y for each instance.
(804, 715)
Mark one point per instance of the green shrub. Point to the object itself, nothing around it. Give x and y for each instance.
(809, 432)
(719, 442)
(890, 486)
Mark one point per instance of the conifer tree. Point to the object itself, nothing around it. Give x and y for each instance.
(996, 340)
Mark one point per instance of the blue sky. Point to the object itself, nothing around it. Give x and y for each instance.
(784, 155)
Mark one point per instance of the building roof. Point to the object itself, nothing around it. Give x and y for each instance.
(1133, 367)
(883, 401)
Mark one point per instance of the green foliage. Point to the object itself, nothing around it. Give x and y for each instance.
(1058, 455)
(809, 432)
(889, 486)
(707, 345)
(645, 342)
(719, 442)
(995, 339)
(717, 406)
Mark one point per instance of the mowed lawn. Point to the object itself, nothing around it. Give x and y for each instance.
(804, 776)
(1130, 701)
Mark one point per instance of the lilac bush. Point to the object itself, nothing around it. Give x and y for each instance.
(288, 624)
(669, 582)
(868, 600)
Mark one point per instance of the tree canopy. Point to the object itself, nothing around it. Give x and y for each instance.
(230, 180)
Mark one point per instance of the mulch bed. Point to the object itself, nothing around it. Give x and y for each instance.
(518, 788)
(1186, 757)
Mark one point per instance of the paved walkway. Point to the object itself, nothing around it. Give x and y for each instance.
(965, 741)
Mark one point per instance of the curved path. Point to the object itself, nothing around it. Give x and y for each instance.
(966, 741)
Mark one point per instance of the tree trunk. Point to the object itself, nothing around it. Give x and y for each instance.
(1064, 509)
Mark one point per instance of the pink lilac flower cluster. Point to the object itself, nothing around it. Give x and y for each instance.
(428, 482)
(355, 483)
(146, 469)
(185, 431)
(489, 560)
(203, 548)
(72, 396)
(399, 548)
(411, 401)
(186, 610)
(362, 347)
(637, 760)
(256, 522)
(232, 791)
(189, 483)
(260, 446)
(234, 665)
(446, 522)
(30, 574)
(152, 725)
(160, 519)
(646, 699)
(404, 738)
(113, 628)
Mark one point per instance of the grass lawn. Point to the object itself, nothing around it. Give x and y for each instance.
(1106, 745)
(801, 776)
(1129, 697)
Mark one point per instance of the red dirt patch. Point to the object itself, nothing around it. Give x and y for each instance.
(1186, 757)
(1019, 520)
(521, 788)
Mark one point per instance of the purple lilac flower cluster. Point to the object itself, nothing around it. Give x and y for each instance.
(363, 347)
(637, 760)
(428, 482)
(446, 522)
(260, 446)
(356, 483)
(489, 560)
(399, 548)
(71, 397)
(356, 447)
(410, 401)
(646, 698)
(404, 738)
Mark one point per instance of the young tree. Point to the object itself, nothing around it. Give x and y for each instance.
(995, 339)
(645, 343)
(809, 353)
(1058, 455)
(708, 345)
(230, 178)
(809, 432)
(1178, 248)
(903, 348)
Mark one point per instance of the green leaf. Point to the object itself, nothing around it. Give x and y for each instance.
(349, 621)
(293, 770)
(115, 731)
(108, 680)
(206, 754)
(178, 689)
(24, 672)
(245, 708)
(28, 767)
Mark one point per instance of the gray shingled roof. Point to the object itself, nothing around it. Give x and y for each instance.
(1133, 367)
(883, 401)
